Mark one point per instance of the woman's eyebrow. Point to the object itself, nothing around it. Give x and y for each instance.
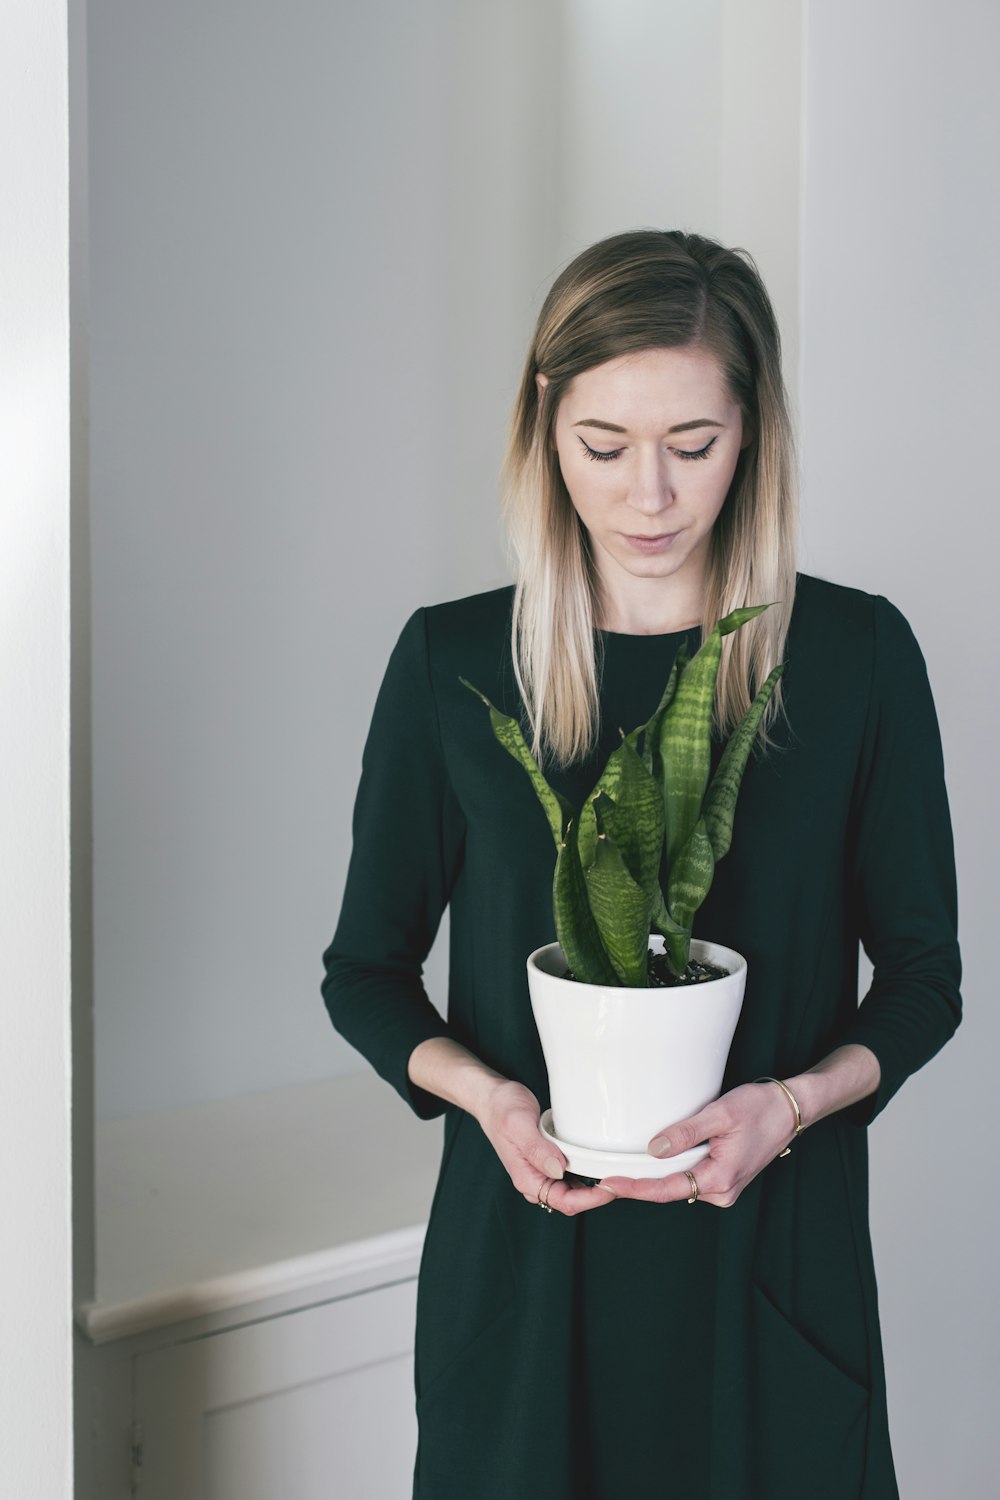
(681, 426)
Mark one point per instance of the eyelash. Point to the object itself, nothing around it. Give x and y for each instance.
(605, 457)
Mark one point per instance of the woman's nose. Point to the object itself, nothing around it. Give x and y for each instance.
(652, 490)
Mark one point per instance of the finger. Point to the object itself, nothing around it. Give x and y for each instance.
(533, 1186)
(525, 1134)
(531, 1193)
(683, 1134)
(716, 1181)
(670, 1189)
(574, 1200)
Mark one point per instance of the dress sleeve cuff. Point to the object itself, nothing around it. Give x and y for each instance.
(424, 1104)
(892, 1075)
(384, 1017)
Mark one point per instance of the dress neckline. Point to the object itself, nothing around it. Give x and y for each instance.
(663, 635)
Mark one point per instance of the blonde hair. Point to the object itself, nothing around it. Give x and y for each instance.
(643, 289)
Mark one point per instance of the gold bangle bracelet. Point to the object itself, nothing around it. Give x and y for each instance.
(799, 1127)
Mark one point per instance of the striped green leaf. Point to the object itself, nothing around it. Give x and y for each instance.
(508, 732)
(738, 617)
(720, 799)
(690, 876)
(676, 939)
(683, 750)
(651, 729)
(644, 735)
(608, 782)
(633, 819)
(576, 927)
(621, 910)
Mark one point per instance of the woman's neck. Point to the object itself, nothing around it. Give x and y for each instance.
(649, 611)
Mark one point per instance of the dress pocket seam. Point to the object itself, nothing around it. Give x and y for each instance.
(462, 1355)
(850, 1382)
(499, 1313)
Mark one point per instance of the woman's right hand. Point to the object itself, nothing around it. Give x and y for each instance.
(509, 1116)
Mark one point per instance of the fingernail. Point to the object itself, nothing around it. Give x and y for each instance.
(660, 1148)
(553, 1168)
(606, 1189)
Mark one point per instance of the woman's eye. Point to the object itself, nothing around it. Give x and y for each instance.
(698, 453)
(596, 453)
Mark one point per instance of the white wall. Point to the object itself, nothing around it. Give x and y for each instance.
(35, 1187)
(320, 236)
(900, 391)
(679, 116)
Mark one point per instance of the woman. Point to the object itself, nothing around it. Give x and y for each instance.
(644, 1350)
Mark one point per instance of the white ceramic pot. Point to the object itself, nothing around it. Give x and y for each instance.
(623, 1063)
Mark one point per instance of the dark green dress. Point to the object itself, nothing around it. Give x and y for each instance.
(656, 1351)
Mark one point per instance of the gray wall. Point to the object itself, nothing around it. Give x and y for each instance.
(900, 327)
(319, 238)
(308, 231)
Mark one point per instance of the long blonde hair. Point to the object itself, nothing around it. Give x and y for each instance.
(643, 289)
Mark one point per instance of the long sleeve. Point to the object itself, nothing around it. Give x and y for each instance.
(903, 869)
(408, 841)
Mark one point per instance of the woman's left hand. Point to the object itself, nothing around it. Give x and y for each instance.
(746, 1129)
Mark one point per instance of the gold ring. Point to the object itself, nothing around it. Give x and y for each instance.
(544, 1202)
(694, 1187)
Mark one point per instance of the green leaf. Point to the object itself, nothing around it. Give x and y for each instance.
(651, 729)
(610, 777)
(663, 921)
(677, 946)
(690, 876)
(508, 732)
(740, 616)
(576, 927)
(607, 782)
(634, 820)
(621, 910)
(720, 799)
(676, 938)
(683, 750)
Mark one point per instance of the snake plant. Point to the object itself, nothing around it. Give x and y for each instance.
(641, 853)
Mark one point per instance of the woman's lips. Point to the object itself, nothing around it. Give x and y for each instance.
(651, 543)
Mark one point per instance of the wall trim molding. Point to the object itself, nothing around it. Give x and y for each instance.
(396, 1251)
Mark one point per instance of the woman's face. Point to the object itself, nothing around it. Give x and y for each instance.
(647, 445)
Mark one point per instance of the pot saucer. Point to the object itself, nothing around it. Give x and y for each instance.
(585, 1161)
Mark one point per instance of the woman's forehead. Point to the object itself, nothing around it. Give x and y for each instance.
(647, 384)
